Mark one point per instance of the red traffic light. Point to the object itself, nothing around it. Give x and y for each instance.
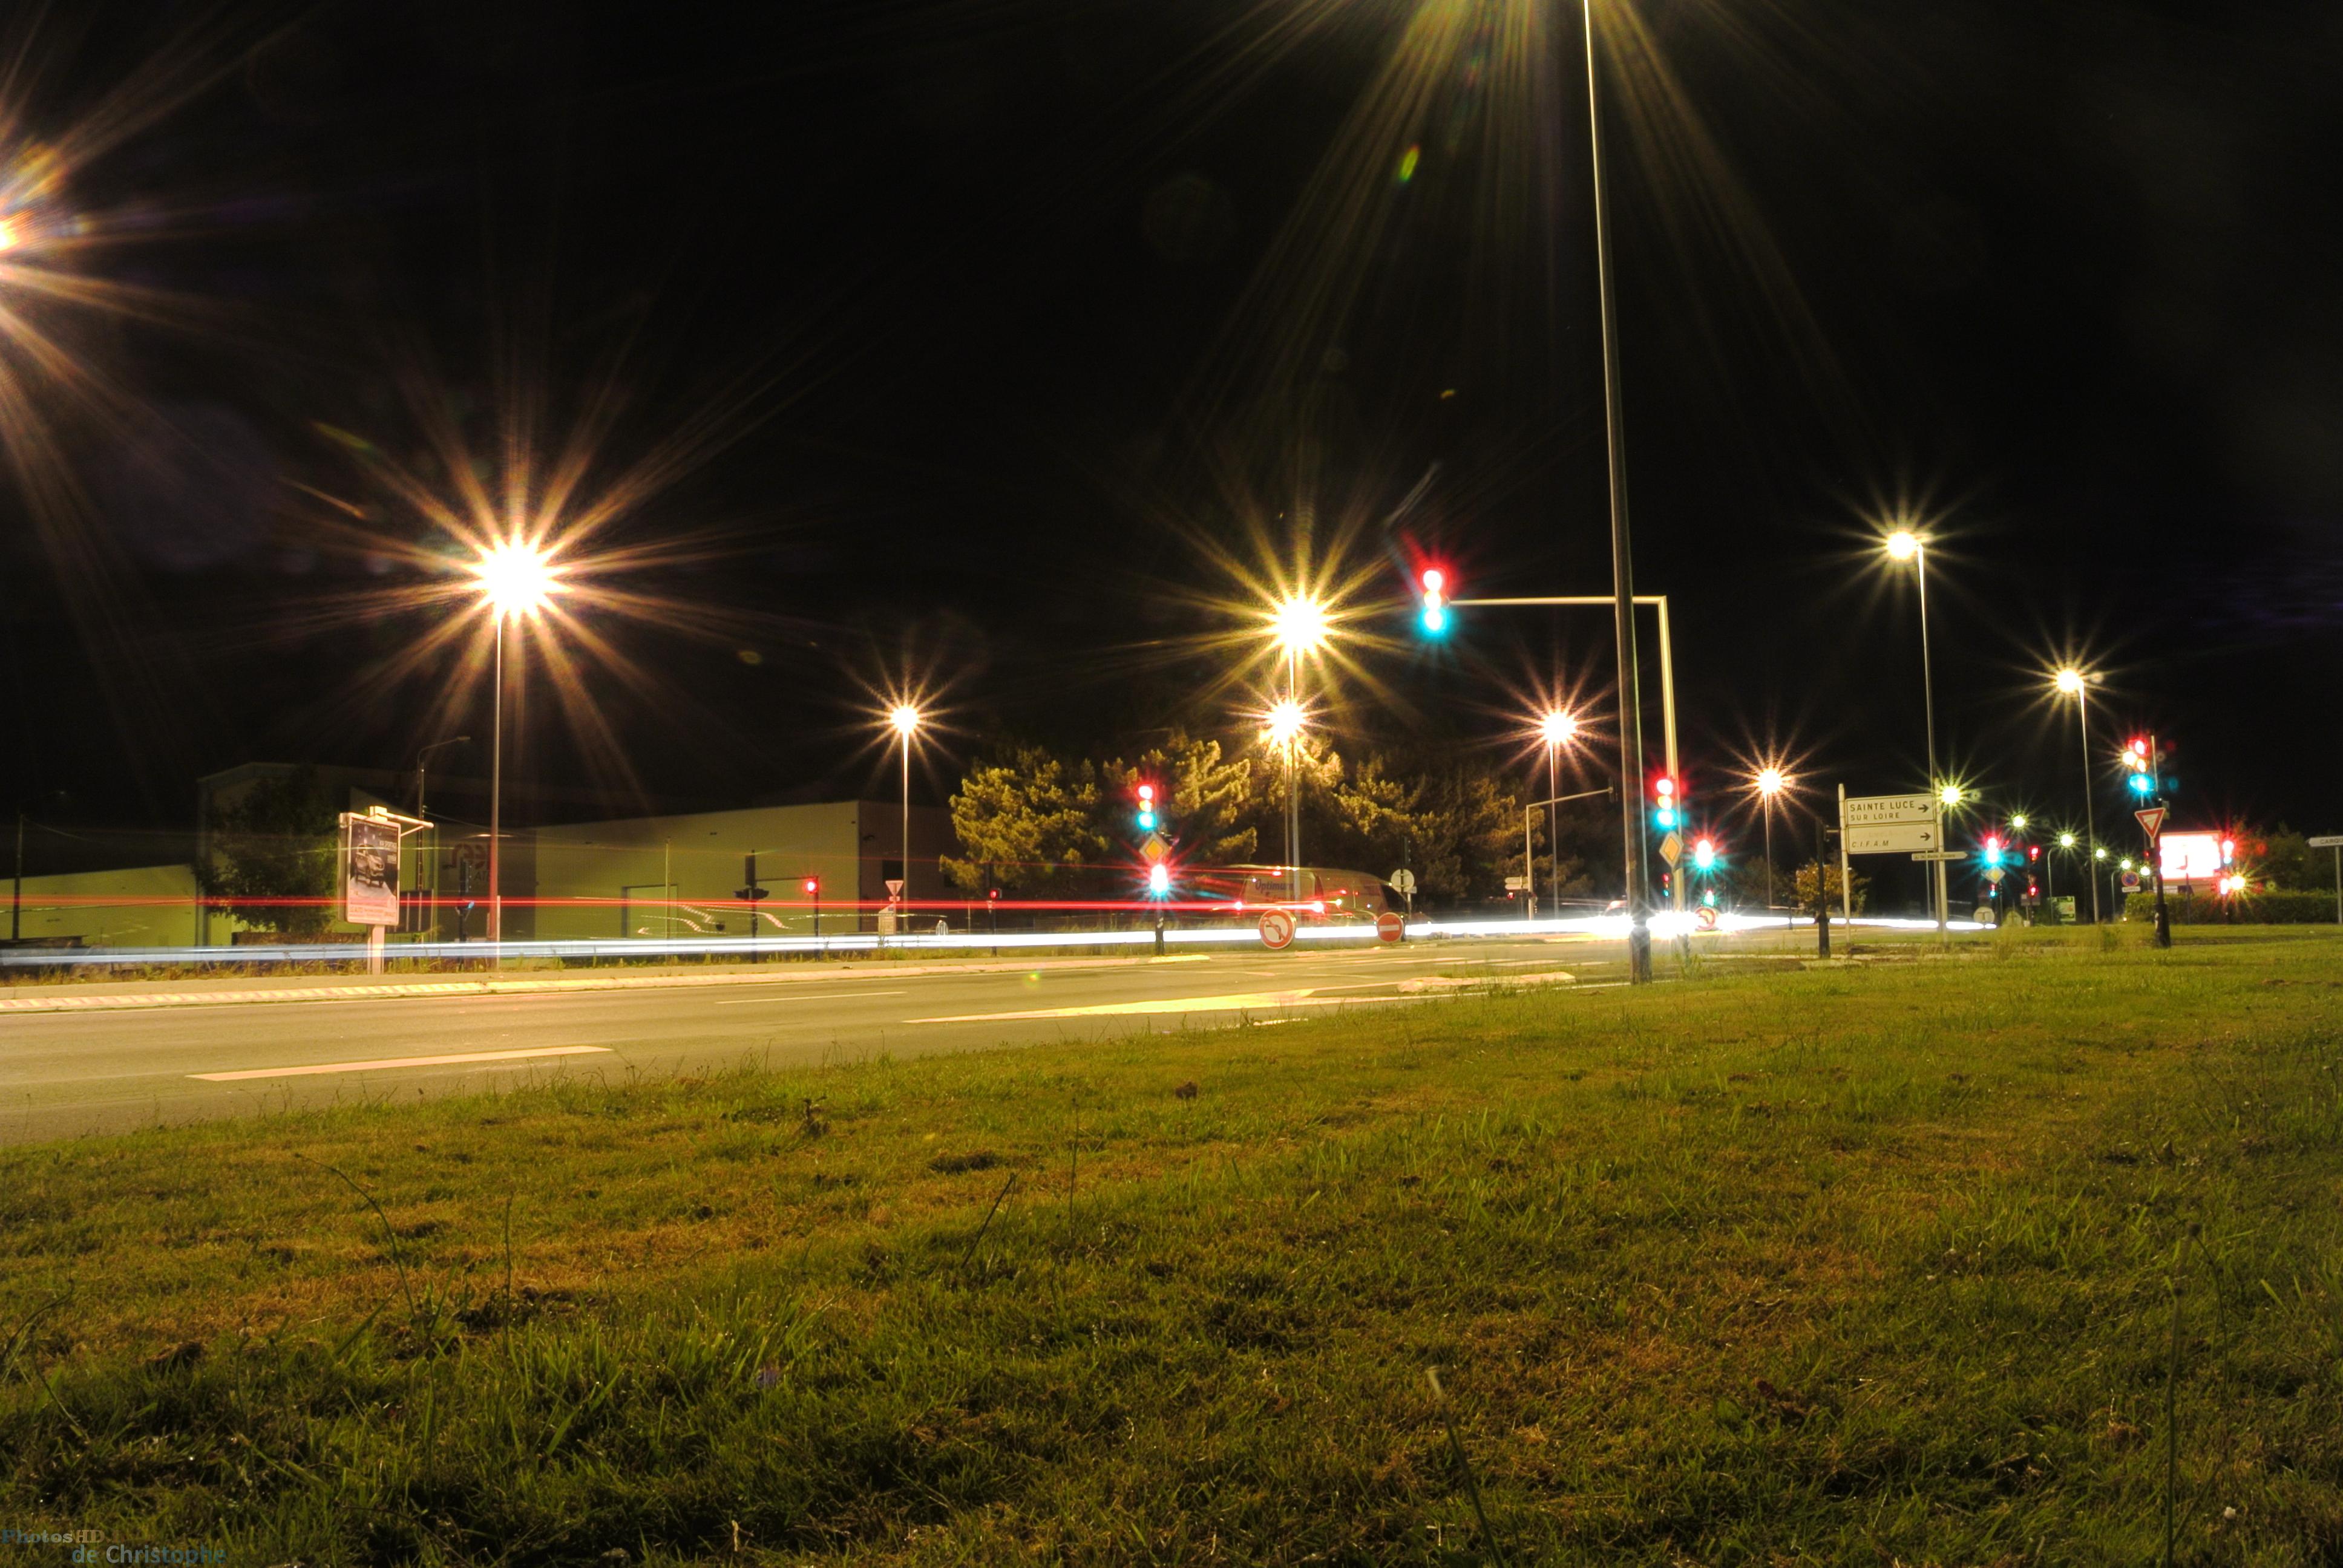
(812, 887)
(1433, 580)
(1664, 787)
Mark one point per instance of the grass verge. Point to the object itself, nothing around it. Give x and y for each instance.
(1851, 1265)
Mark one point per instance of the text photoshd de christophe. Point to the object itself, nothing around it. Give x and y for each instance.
(89, 1547)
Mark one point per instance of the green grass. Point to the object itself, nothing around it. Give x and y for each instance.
(1872, 1264)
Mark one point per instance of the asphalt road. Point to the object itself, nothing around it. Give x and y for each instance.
(68, 1073)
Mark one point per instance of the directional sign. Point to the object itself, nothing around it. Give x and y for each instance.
(2151, 822)
(2332, 841)
(1875, 811)
(1942, 855)
(1277, 929)
(1402, 882)
(1889, 824)
(1517, 884)
(1672, 849)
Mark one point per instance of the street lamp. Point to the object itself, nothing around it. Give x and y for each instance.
(1281, 727)
(1769, 782)
(1904, 545)
(1556, 729)
(1298, 624)
(905, 718)
(2072, 682)
(514, 578)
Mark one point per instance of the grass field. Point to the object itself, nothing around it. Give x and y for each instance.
(1874, 1264)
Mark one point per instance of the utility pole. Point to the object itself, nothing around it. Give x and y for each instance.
(16, 898)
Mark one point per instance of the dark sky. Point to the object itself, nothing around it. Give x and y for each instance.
(1007, 319)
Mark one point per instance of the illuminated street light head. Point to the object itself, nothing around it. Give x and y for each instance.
(904, 720)
(1950, 795)
(1903, 544)
(2069, 682)
(1556, 727)
(1770, 782)
(1285, 722)
(2018, 822)
(2065, 841)
(1298, 624)
(515, 579)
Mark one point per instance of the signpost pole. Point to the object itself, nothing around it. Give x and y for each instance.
(2335, 842)
(1845, 870)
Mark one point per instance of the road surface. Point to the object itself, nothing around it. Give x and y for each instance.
(134, 1056)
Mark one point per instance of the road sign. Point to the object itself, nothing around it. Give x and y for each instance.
(1402, 882)
(1277, 929)
(1889, 824)
(369, 870)
(2131, 881)
(1672, 851)
(2151, 822)
(1517, 884)
(894, 887)
(751, 895)
(1705, 918)
(1994, 873)
(1938, 855)
(1389, 926)
(1155, 849)
(2331, 842)
(1882, 811)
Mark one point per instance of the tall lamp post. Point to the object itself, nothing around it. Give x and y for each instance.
(1904, 545)
(1623, 565)
(515, 579)
(2072, 682)
(1286, 721)
(1557, 729)
(1298, 625)
(905, 720)
(1769, 782)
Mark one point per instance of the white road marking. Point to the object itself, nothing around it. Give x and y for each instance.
(822, 996)
(391, 1062)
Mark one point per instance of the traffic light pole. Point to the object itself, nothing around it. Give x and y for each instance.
(2156, 853)
(1623, 560)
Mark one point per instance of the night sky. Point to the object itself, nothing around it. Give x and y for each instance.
(1001, 326)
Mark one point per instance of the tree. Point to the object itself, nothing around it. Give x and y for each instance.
(1208, 802)
(1830, 886)
(273, 853)
(1028, 821)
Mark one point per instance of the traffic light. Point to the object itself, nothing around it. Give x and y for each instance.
(1666, 809)
(2138, 757)
(1146, 807)
(2228, 850)
(1159, 881)
(1703, 855)
(812, 886)
(1993, 848)
(2033, 853)
(1435, 584)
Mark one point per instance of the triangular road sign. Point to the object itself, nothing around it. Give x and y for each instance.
(2151, 822)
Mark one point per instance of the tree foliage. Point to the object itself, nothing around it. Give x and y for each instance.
(273, 854)
(1028, 823)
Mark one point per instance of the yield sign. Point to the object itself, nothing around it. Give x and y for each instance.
(1672, 851)
(2151, 822)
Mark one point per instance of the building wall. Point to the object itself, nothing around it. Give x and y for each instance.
(141, 907)
(649, 875)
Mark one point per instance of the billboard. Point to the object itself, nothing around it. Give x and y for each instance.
(369, 870)
(2190, 856)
